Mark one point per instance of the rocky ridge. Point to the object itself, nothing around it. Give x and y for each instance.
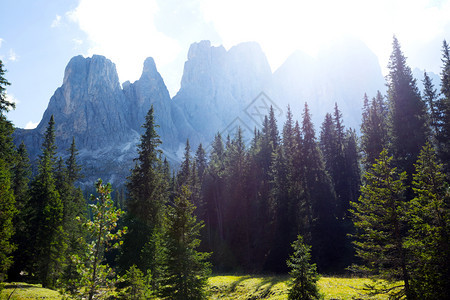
(220, 90)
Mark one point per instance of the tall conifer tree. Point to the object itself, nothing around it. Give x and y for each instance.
(407, 113)
(147, 187)
(380, 219)
(7, 200)
(443, 135)
(49, 245)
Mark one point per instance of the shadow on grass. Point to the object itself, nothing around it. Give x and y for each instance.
(267, 283)
(237, 282)
(20, 286)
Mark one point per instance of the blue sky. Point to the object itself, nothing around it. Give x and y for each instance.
(38, 37)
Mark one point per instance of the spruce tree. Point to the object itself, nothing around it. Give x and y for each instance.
(374, 134)
(380, 219)
(428, 238)
(186, 269)
(407, 112)
(21, 173)
(319, 198)
(49, 245)
(430, 97)
(184, 176)
(200, 160)
(443, 134)
(7, 212)
(74, 208)
(147, 187)
(5, 105)
(304, 276)
(7, 199)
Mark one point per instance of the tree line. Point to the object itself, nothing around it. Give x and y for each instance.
(376, 204)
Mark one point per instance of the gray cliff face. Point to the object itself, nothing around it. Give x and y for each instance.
(89, 106)
(217, 85)
(104, 119)
(220, 90)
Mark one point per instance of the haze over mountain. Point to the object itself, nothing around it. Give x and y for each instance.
(220, 90)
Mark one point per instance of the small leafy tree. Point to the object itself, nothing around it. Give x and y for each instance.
(96, 277)
(304, 276)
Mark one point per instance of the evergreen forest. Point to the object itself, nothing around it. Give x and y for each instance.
(370, 202)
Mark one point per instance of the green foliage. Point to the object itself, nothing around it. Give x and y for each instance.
(148, 192)
(135, 286)
(303, 274)
(430, 97)
(74, 208)
(407, 112)
(21, 173)
(186, 269)
(48, 248)
(429, 217)
(7, 212)
(443, 104)
(5, 105)
(373, 129)
(96, 278)
(380, 217)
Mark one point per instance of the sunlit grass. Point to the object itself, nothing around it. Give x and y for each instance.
(22, 291)
(275, 287)
(231, 287)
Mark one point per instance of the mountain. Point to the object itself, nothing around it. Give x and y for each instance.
(341, 73)
(220, 90)
(217, 86)
(105, 119)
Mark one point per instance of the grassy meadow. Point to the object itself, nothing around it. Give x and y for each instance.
(230, 287)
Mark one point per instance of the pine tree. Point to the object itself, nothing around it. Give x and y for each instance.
(147, 187)
(304, 277)
(319, 198)
(430, 97)
(21, 172)
(7, 199)
(407, 112)
(237, 204)
(200, 160)
(74, 208)
(184, 176)
(428, 238)
(49, 245)
(186, 268)
(373, 129)
(7, 212)
(5, 105)
(443, 134)
(380, 216)
(135, 285)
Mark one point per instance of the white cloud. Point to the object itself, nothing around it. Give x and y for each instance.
(285, 25)
(31, 125)
(56, 22)
(12, 56)
(124, 31)
(1, 41)
(78, 42)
